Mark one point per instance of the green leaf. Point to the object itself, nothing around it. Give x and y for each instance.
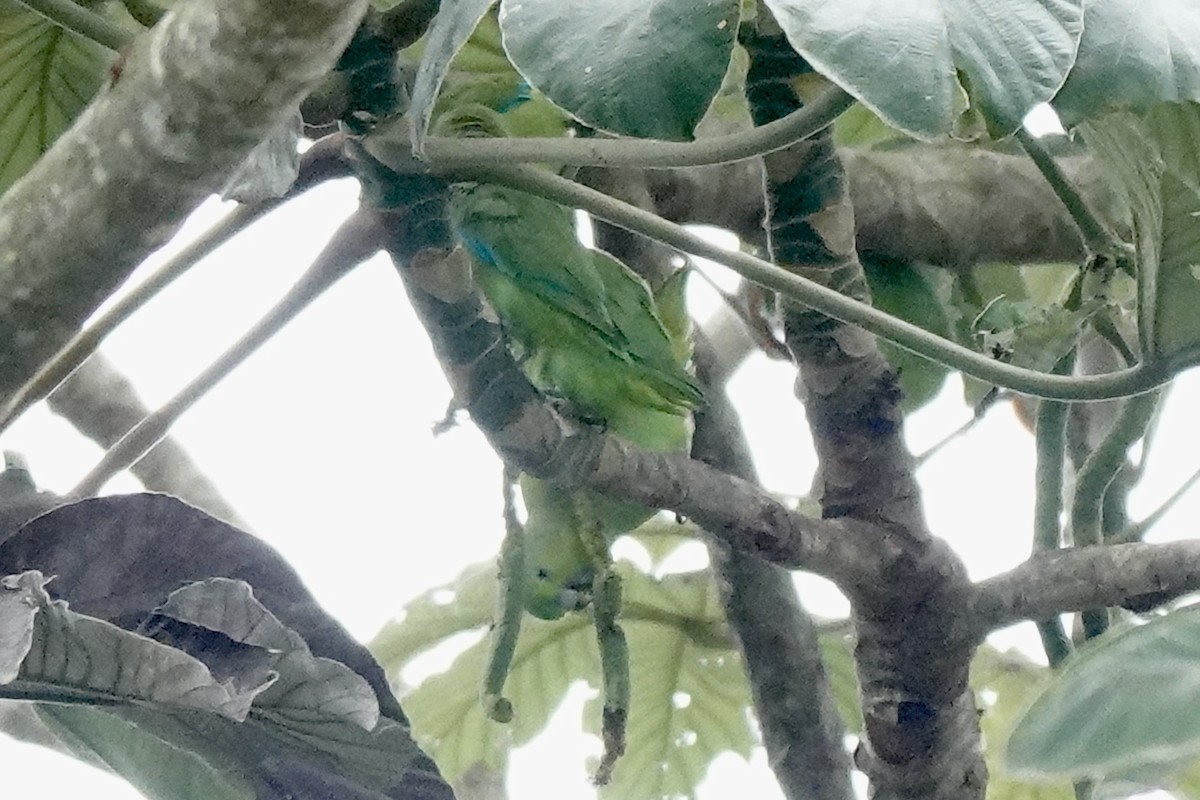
(448, 32)
(465, 604)
(47, 76)
(859, 126)
(448, 718)
(903, 60)
(645, 68)
(1127, 703)
(84, 659)
(1133, 55)
(1176, 129)
(1154, 170)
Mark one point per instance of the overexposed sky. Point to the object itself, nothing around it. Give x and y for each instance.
(323, 442)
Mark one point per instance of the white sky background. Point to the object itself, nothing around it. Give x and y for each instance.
(323, 443)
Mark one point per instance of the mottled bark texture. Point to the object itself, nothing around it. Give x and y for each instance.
(802, 729)
(921, 731)
(197, 93)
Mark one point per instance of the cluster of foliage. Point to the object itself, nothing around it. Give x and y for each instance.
(216, 675)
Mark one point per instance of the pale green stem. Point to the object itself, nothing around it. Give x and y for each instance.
(1096, 237)
(80, 20)
(393, 143)
(346, 249)
(1101, 467)
(1051, 429)
(84, 343)
(1123, 383)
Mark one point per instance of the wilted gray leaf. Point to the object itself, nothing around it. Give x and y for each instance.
(20, 597)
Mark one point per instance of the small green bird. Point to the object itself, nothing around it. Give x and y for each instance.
(589, 330)
(586, 329)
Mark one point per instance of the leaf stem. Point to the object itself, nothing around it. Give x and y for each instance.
(1050, 429)
(355, 241)
(1122, 383)
(1096, 237)
(82, 21)
(1101, 467)
(392, 143)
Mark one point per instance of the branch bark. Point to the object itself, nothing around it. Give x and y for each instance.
(802, 729)
(198, 92)
(1135, 576)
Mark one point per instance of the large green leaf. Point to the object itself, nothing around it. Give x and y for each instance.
(312, 726)
(1134, 54)
(47, 76)
(1153, 168)
(1126, 703)
(645, 68)
(155, 768)
(906, 292)
(904, 59)
(83, 659)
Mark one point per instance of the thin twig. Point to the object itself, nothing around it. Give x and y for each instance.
(356, 240)
(317, 165)
(1096, 237)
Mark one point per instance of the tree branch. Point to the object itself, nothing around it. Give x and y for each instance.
(1080, 578)
(103, 405)
(321, 162)
(358, 238)
(802, 730)
(198, 92)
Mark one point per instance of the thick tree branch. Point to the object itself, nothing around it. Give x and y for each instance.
(802, 730)
(1131, 575)
(921, 733)
(198, 92)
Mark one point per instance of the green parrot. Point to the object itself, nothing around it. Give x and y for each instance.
(587, 329)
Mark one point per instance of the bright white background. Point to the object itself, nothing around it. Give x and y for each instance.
(323, 442)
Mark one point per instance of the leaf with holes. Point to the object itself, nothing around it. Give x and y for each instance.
(683, 714)
(47, 76)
